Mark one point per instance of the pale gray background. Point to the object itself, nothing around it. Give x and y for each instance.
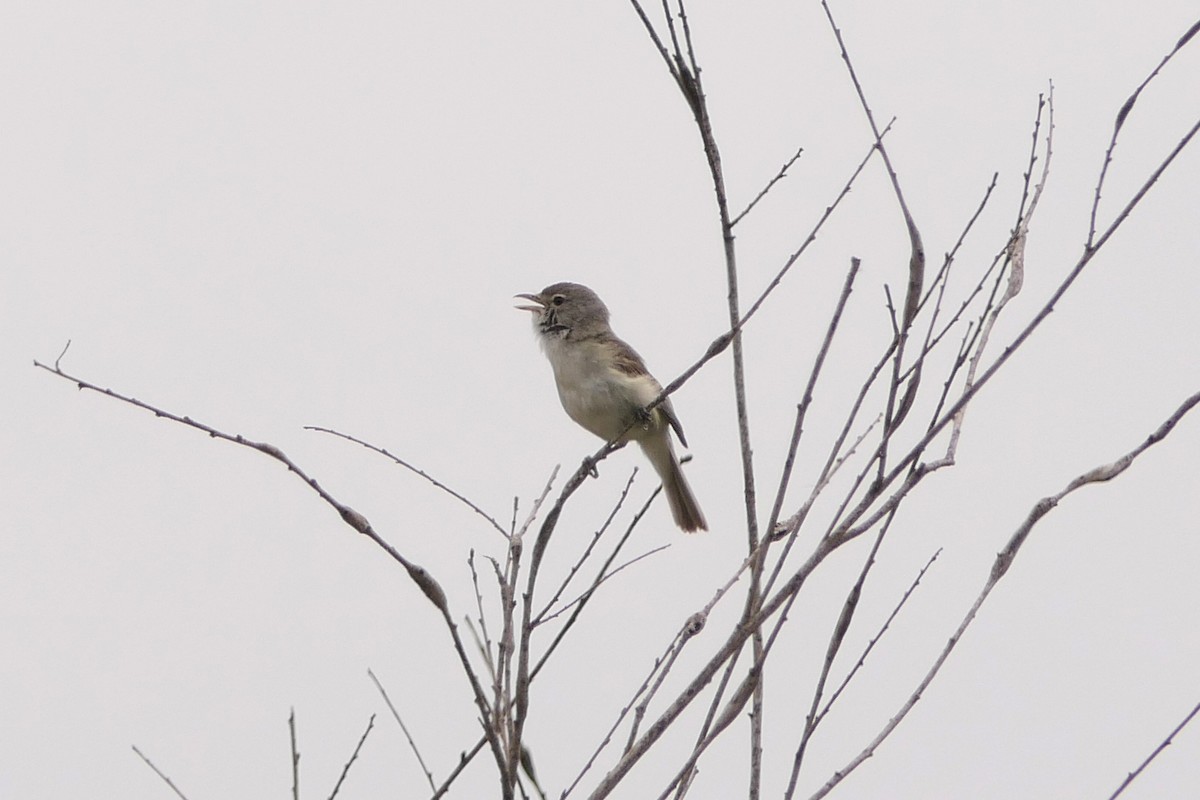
(279, 214)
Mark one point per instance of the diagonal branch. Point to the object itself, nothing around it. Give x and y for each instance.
(141, 755)
(353, 757)
(412, 745)
(770, 184)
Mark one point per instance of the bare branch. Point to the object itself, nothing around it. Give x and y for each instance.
(814, 717)
(840, 629)
(419, 575)
(1000, 567)
(940, 283)
(662, 50)
(351, 517)
(850, 521)
(1016, 274)
(916, 264)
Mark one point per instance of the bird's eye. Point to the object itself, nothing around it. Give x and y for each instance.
(558, 300)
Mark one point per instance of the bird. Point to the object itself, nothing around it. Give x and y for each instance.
(605, 387)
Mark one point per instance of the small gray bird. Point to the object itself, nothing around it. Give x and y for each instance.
(605, 387)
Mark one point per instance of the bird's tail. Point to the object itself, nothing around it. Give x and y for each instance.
(684, 507)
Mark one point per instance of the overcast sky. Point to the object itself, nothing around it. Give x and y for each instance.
(273, 215)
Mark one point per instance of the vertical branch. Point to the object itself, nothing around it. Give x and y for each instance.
(685, 69)
(753, 595)
(520, 692)
(507, 728)
(295, 756)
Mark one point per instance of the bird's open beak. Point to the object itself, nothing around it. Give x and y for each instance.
(539, 304)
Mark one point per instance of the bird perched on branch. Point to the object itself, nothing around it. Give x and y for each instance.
(605, 387)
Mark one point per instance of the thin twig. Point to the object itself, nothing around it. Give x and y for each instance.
(722, 342)
(353, 758)
(836, 638)
(942, 280)
(66, 347)
(813, 233)
(592, 589)
(463, 760)
(916, 265)
(562, 632)
(878, 635)
(411, 743)
(539, 500)
(506, 581)
(608, 736)
(659, 663)
(1016, 272)
(778, 177)
(424, 581)
(486, 645)
(416, 470)
(806, 399)
(141, 755)
(1154, 754)
(1122, 115)
(587, 551)
(691, 628)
